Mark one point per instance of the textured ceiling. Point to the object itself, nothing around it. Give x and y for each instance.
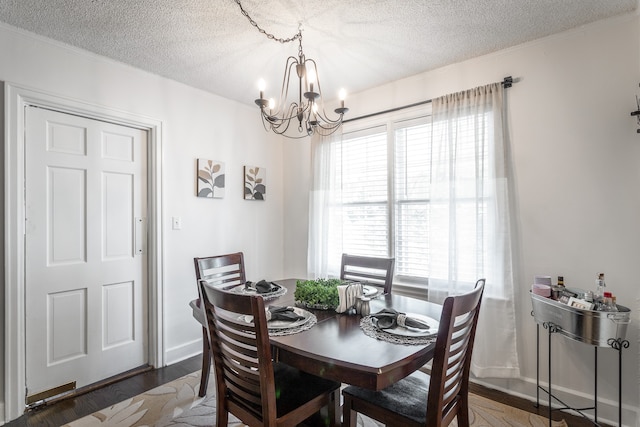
(357, 44)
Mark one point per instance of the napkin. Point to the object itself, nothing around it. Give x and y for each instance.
(262, 287)
(389, 318)
(348, 294)
(275, 312)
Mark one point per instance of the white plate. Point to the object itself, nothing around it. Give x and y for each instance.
(285, 324)
(414, 332)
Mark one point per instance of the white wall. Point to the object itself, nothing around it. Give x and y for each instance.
(576, 158)
(194, 124)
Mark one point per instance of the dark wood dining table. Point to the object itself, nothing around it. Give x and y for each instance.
(338, 349)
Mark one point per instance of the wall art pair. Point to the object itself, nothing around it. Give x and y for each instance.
(211, 180)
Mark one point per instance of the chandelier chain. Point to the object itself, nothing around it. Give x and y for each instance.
(270, 36)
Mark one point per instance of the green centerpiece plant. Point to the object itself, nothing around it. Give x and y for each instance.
(319, 293)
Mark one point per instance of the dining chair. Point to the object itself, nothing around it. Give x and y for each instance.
(250, 385)
(374, 271)
(423, 400)
(219, 270)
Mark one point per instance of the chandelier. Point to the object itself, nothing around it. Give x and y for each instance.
(305, 109)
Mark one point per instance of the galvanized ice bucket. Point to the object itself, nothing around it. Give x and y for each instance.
(587, 326)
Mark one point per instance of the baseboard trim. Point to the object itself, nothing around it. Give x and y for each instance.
(182, 352)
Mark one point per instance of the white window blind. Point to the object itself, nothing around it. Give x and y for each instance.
(361, 206)
(412, 159)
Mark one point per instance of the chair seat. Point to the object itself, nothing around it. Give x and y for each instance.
(407, 397)
(295, 388)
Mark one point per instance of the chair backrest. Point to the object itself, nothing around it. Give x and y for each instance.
(374, 271)
(452, 359)
(239, 339)
(221, 270)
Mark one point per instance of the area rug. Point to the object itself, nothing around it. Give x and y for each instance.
(177, 404)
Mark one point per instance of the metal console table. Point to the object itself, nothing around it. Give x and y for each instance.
(596, 328)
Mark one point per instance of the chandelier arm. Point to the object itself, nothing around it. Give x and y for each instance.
(329, 131)
(284, 91)
(322, 113)
(275, 124)
(266, 123)
(291, 113)
(332, 125)
(280, 127)
(329, 121)
(276, 127)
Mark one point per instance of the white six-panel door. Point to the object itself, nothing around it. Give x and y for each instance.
(86, 263)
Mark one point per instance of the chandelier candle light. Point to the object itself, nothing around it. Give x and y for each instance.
(308, 109)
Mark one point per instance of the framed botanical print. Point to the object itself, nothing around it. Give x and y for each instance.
(210, 179)
(255, 183)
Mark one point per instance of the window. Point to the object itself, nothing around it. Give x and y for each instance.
(383, 200)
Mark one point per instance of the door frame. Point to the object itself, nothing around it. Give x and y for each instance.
(16, 99)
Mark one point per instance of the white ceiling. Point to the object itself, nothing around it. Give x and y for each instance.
(357, 44)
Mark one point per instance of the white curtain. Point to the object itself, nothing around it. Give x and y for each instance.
(322, 170)
(470, 220)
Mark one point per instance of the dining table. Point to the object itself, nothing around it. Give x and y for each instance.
(337, 348)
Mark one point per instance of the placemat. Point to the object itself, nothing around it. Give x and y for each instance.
(371, 330)
(274, 295)
(290, 331)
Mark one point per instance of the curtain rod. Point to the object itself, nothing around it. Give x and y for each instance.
(506, 82)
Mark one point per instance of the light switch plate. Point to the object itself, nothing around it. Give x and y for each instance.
(176, 223)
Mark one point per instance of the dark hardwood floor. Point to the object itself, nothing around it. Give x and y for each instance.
(71, 409)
